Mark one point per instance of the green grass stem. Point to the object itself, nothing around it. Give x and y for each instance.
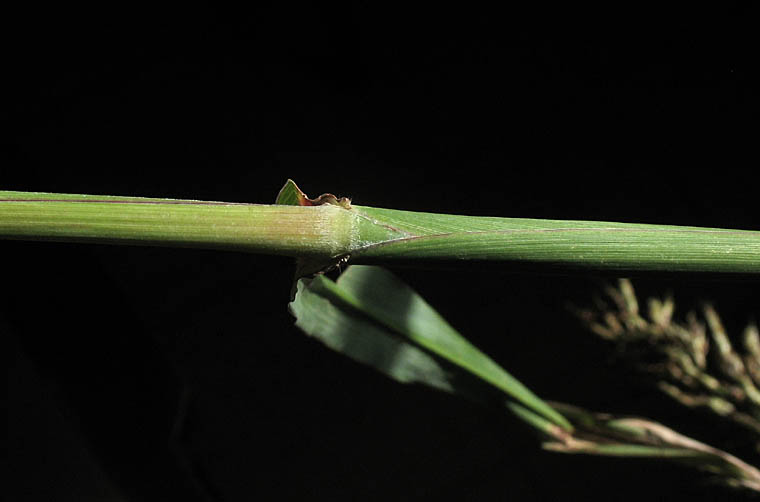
(373, 235)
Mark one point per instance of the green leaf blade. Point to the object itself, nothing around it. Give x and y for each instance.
(379, 295)
(389, 300)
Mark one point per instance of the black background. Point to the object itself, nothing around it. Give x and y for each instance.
(604, 115)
